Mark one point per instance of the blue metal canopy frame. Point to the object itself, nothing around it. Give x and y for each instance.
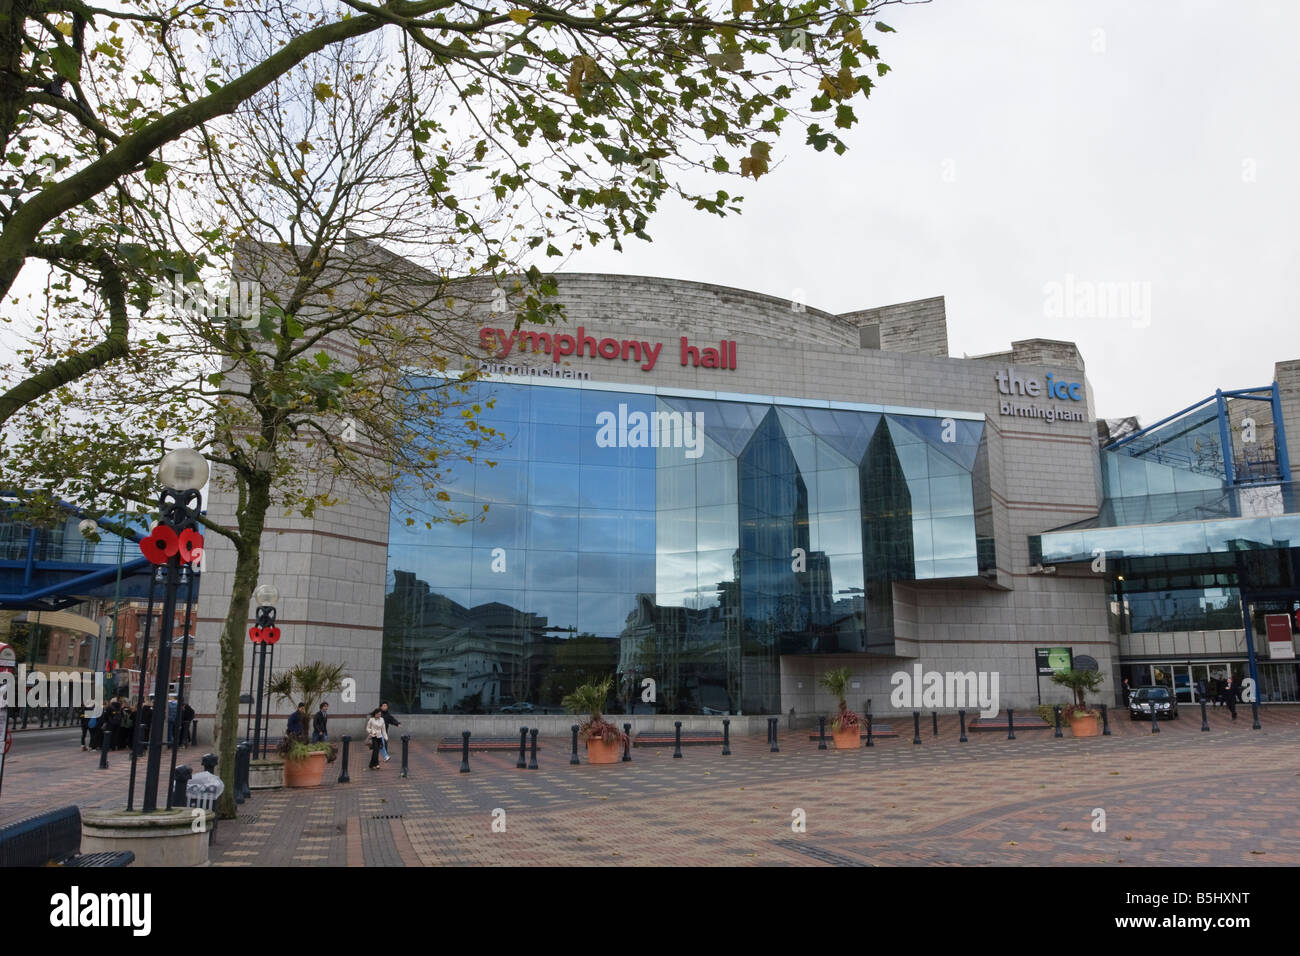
(38, 592)
(1269, 393)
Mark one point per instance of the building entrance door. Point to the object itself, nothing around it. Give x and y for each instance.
(1182, 675)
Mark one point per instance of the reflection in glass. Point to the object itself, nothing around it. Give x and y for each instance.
(784, 535)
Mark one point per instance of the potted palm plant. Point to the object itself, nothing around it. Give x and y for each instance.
(304, 762)
(1084, 721)
(846, 725)
(603, 738)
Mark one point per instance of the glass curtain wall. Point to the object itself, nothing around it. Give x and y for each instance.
(686, 541)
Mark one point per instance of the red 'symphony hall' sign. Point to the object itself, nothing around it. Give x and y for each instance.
(501, 342)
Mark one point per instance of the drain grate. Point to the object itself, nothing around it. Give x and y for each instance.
(246, 818)
(819, 853)
(387, 816)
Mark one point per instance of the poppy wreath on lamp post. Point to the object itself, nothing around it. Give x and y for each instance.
(175, 547)
(604, 739)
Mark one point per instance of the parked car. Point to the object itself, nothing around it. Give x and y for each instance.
(1144, 699)
(519, 707)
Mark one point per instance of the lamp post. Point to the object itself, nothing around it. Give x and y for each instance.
(174, 545)
(264, 635)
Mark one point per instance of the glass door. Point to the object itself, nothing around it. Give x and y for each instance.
(1182, 674)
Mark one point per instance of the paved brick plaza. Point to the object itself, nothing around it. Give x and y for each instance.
(1182, 797)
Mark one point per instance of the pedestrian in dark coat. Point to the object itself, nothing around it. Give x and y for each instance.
(389, 721)
(320, 723)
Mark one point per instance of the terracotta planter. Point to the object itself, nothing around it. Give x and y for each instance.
(848, 739)
(305, 773)
(598, 751)
(1085, 726)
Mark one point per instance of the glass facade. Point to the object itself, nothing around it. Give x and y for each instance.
(688, 540)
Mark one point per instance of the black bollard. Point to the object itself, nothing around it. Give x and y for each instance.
(406, 741)
(522, 762)
(1056, 712)
(104, 740)
(343, 772)
(1155, 718)
(772, 730)
(935, 715)
(1205, 719)
(180, 778)
(769, 731)
(574, 759)
(916, 726)
(677, 749)
(869, 743)
(242, 792)
(821, 725)
(627, 743)
(532, 764)
(1105, 722)
(1011, 724)
(464, 752)
(961, 715)
(1254, 707)
(726, 737)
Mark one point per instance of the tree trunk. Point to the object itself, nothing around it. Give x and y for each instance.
(234, 633)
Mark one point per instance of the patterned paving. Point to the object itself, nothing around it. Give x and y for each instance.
(1179, 797)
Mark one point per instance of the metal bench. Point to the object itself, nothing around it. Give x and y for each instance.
(52, 838)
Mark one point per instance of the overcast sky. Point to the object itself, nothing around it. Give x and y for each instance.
(1016, 144)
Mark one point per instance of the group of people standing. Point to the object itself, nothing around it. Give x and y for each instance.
(376, 728)
(118, 722)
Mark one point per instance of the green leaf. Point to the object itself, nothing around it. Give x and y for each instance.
(156, 173)
(67, 62)
(293, 327)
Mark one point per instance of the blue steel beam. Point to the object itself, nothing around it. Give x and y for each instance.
(1225, 441)
(77, 584)
(1235, 393)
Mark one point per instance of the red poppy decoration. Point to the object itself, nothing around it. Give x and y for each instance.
(160, 545)
(272, 635)
(190, 544)
(255, 635)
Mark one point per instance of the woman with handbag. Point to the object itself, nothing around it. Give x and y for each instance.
(377, 733)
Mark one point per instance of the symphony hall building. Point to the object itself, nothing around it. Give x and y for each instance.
(726, 494)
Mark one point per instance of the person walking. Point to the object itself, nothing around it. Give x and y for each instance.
(123, 737)
(298, 722)
(146, 724)
(85, 725)
(320, 723)
(389, 721)
(112, 721)
(1229, 694)
(171, 720)
(187, 725)
(377, 735)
